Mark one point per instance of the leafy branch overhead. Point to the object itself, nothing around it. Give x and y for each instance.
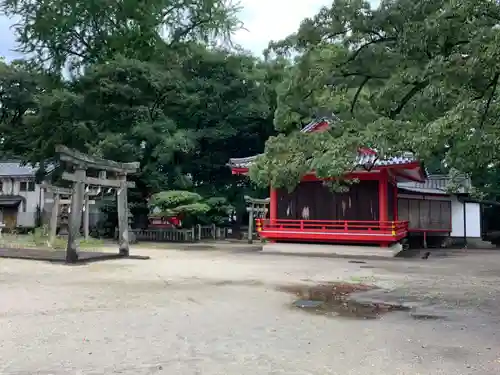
(182, 120)
(407, 76)
(75, 33)
(158, 82)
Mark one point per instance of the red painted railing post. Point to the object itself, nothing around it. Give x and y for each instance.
(273, 205)
(301, 224)
(346, 226)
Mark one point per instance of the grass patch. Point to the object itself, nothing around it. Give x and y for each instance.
(39, 239)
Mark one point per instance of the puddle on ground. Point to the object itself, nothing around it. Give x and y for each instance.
(427, 316)
(333, 300)
(237, 283)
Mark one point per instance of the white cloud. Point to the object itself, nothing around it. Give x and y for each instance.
(267, 20)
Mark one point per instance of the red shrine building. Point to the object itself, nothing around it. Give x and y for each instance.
(373, 211)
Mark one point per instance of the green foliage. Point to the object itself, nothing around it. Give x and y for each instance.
(147, 84)
(191, 207)
(76, 32)
(168, 201)
(219, 212)
(418, 76)
(19, 90)
(177, 203)
(181, 127)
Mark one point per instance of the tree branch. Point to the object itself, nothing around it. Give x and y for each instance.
(360, 49)
(357, 74)
(483, 92)
(415, 90)
(156, 104)
(488, 103)
(358, 91)
(181, 33)
(331, 36)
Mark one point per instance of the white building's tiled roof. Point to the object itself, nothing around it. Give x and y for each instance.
(435, 184)
(17, 169)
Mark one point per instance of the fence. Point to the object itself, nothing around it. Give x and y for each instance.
(165, 235)
(210, 232)
(197, 233)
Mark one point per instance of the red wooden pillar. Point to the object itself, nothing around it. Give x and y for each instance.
(273, 205)
(395, 203)
(383, 190)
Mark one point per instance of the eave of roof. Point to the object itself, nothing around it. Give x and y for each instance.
(423, 190)
(361, 160)
(435, 184)
(15, 169)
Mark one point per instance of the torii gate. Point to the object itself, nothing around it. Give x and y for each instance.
(80, 162)
(257, 209)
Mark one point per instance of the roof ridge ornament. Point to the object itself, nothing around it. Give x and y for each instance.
(313, 126)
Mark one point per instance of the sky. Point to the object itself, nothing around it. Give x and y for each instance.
(264, 20)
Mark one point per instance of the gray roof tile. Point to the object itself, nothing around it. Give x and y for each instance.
(435, 184)
(16, 169)
(361, 160)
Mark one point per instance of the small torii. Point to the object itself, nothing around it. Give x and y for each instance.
(257, 209)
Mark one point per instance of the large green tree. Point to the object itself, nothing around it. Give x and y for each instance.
(231, 113)
(181, 120)
(420, 76)
(20, 87)
(72, 33)
(150, 84)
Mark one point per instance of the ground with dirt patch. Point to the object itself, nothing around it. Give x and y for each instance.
(225, 312)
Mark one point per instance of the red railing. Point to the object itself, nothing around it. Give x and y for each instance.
(394, 228)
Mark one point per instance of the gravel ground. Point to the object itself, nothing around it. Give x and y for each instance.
(220, 312)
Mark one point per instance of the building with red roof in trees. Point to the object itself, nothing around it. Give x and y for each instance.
(373, 211)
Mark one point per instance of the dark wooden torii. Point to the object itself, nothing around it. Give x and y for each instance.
(80, 162)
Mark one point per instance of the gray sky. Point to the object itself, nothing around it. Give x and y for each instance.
(264, 20)
(7, 40)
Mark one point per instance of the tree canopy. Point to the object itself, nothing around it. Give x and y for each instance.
(160, 82)
(419, 76)
(61, 33)
(175, 98)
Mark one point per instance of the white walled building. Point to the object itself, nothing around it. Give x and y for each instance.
(21, 198)
(450, 213)
(472, 219)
